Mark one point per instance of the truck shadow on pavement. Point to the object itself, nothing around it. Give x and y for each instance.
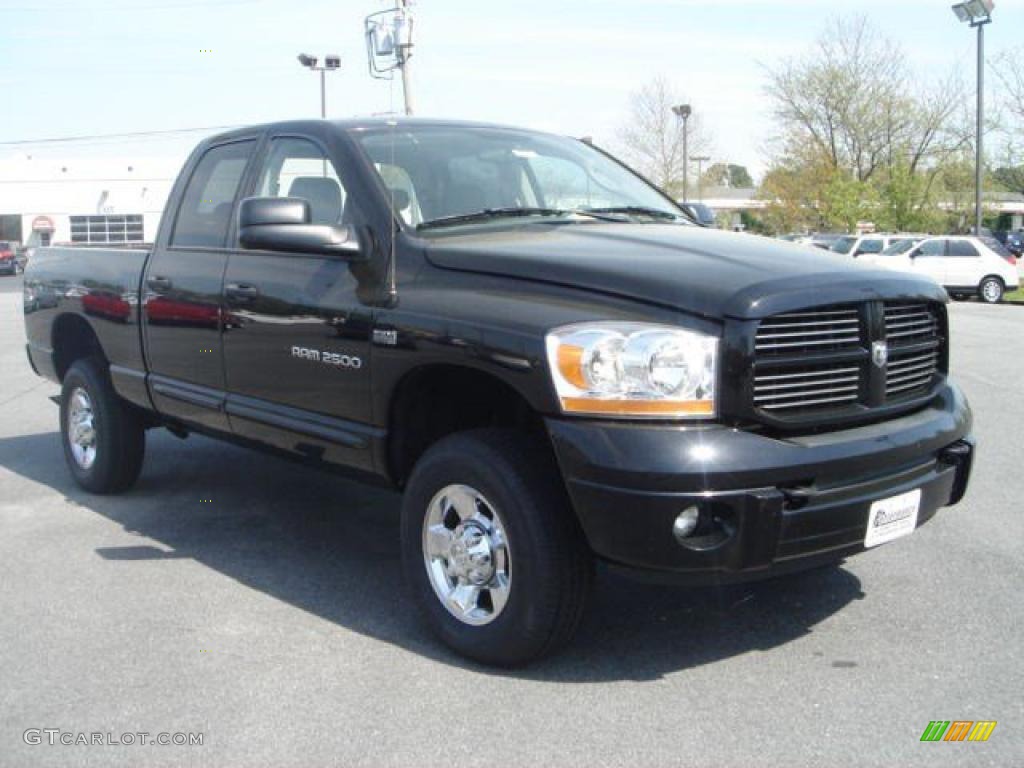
(329, 546)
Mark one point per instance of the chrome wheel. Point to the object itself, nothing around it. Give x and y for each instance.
(991, 291)
(81, 428)
(466, 553)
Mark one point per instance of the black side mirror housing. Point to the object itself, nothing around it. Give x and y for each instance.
(283, 224)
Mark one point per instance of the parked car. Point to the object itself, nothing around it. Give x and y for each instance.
(897, 247)
(701, 214)
(822, 240)
(539, 348)
(8, 258)
(1012, 241)
(965, 265)
(865, 245)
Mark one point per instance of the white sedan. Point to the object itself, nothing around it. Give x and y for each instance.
(964, 265)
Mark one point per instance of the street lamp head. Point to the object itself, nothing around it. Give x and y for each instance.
(306, 60)
(682, 110)
(332, 61)
(974, 12)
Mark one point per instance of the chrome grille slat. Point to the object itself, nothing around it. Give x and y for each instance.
(824, 401)
(784, 376)
(758, 388)
(913, 332)
(806, 324)
(913, 376)
(927, 365)
(807, 393)
(904, 387)
(799, 334)
(809, 343)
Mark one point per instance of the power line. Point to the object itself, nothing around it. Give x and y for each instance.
(64, 139)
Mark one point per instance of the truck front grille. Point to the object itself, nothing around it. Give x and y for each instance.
(832, 360)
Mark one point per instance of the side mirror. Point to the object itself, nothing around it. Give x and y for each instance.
(283, 224)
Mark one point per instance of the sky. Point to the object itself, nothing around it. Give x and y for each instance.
(72, 68)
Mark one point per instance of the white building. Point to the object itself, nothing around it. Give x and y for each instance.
(48, 198)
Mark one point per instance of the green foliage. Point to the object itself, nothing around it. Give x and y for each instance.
(728, 175)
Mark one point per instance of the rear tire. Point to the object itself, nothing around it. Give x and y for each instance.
(991, 290)
(104, 438)
(491, 549)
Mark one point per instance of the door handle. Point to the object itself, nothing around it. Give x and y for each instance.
(242, 291)
(159, 283)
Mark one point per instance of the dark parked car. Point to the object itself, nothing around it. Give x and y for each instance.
(701, 214)
(540, 349)
(9, 264)
(1013, 241)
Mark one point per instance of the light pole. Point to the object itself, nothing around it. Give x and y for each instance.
(700, 160)
(683, 111)
(977, 13)
(331, 62)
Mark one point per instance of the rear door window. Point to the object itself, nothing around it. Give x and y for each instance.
(962, 248)
(204, 215)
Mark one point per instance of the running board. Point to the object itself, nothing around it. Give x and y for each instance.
(55, 399)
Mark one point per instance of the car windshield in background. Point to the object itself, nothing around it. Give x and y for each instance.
(458, 175)
(843, 244)
(898, 247)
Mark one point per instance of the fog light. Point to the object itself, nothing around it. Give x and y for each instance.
(686, 523)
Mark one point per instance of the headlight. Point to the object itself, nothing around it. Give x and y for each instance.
(633, 370)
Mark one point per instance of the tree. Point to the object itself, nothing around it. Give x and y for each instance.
(728, 175)
(866, 137)
(1009, 68)
(652, 137)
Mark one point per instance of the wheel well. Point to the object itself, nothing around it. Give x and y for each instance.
(438, 400)
(993, 277)
(73, 339)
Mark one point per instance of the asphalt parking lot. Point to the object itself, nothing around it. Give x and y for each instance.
(260, 604)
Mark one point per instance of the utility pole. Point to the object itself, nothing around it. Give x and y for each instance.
(389, 46)
(683, 111)
(403, 33)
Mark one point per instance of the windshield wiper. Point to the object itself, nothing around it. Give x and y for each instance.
(490, 213)
(635, 210)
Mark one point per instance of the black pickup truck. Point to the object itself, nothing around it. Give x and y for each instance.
(549, 358)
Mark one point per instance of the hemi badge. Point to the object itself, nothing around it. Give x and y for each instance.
(385, 338)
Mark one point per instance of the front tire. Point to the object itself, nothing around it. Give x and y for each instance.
(104, 438)
(991, 290)
(491, 550)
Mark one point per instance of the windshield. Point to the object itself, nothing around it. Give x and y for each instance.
(843, 244)
(899, 246)
(444, 172)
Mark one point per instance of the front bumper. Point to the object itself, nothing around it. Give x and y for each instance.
(768, 504)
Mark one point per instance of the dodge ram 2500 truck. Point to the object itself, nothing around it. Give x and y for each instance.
(536, 345)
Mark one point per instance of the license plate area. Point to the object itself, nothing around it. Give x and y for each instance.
(892, 518)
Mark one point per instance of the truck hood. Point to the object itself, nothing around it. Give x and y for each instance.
(701, 271)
